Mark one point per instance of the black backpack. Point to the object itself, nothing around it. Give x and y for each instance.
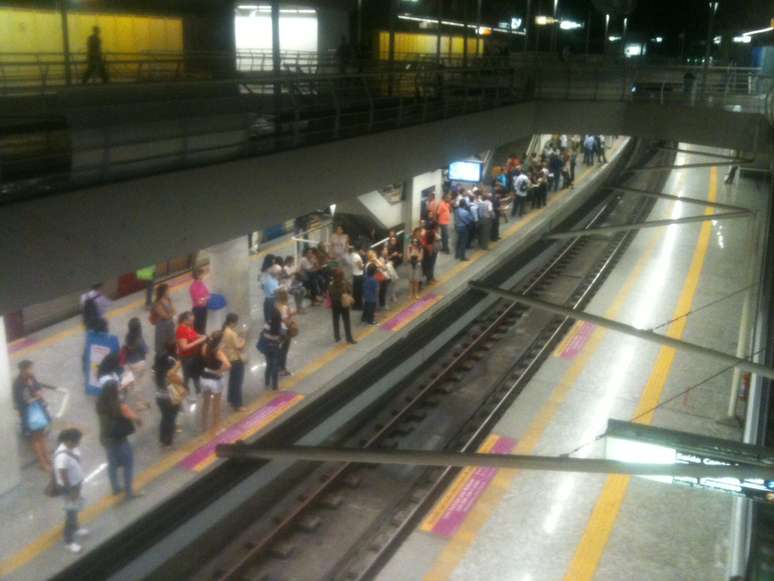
(90, 313)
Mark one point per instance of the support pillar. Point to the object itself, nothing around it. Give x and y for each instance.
(276, 60)
(65, 42)
(10, 475)
(412, 203)
(230, 276)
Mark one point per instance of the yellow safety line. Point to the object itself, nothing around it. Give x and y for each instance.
(603, 518)
(48, 539)
(488, 504)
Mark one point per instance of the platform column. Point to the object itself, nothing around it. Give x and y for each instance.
(230, 276)
(430, 181)
(10, 475)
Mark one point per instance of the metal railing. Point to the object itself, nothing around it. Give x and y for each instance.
(260, 113)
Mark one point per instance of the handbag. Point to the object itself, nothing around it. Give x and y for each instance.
(263, 344)
(380, 278)
(347, 300)
(121, 427)
(176, 393)
(292, 329)
(36, 417)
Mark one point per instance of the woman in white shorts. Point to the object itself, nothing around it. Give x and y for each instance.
(215, 367)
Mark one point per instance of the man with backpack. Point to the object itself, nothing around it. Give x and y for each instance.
(520, 191)
(94, 306)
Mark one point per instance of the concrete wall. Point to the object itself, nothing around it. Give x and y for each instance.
(61, 243)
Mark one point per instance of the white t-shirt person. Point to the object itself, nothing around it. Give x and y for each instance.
(69, 460)
(521, 185)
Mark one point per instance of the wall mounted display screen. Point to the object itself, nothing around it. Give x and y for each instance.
(465, 171)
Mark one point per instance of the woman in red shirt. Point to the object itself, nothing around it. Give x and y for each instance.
(188, 348)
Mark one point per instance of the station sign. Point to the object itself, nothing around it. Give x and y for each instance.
(637, 443)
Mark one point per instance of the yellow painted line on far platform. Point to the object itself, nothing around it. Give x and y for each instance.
(603, 518)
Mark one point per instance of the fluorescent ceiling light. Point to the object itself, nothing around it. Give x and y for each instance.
(542, 20)
(658, 39)
(717, 40)
(743, 39)
(569, 25)
(762, 30)
(613, 38)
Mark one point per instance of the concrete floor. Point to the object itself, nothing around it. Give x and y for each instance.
(532, 526)
(33, 551)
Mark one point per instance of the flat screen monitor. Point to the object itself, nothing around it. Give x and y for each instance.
(465, 171)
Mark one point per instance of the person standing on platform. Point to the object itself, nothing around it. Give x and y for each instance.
(99, 345)
(370, 295)
(162, 317)
(68, 476)
(566, 170)
(339, 245)
(215, 364)
(147, 276)
(444, 219)
(429, 255)
(473, 209)
(233, 347)
(341, 301)
(588, 150)
(289, 330)
(358, 272)
(95, 60)
(497, 200)
(134, 353)
(170, 393)
(269, 345)
(555, 168)
(602, 146)
(485, 217)
(394, 249)
(94, 306)
(33, 412)
(462, 221)
(520, 192)
(415, 273)
(200, 298)
(189, 349)
(117, 423)
(573, 163)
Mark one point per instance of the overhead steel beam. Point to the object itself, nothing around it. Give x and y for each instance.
(507, 461)
(708, 154)
(725, 358)
(683, 199)
(687, 165)
(649, 224)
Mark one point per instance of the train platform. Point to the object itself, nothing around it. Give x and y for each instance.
(682, 280)
(35, 551)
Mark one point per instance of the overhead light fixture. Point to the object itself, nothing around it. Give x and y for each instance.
(569, 25)
(657, 39)
(760, 31)
(613, 38)
(515, 23)
(717, 40)
(542, 20)
(742, 39)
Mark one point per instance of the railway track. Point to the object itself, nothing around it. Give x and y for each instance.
(344, 521)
